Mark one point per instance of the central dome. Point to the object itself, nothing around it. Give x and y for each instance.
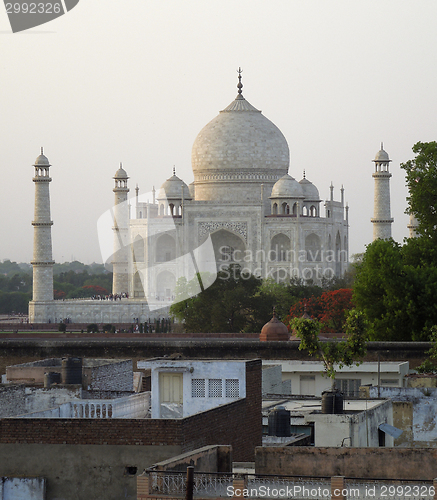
(235, 151)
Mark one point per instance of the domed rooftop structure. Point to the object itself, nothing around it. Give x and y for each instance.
(237, 150)
(42, 160)
(274, 330)
(121, 173)
(287, 187)
(310, 191)
(172, 189)
(382, 156)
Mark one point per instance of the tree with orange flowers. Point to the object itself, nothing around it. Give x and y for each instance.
(330, 309)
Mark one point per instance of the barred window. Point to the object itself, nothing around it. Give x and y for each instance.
(198, 388)
(232, 388)
(349, 387)
(215, 388)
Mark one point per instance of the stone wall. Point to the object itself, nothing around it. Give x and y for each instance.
(20, 399)
(109, 376)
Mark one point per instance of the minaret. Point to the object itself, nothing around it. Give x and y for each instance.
(412, 226)
(382, 219)
(42, 261)
(120, 281)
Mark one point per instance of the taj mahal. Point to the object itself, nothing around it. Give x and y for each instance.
(244, 206)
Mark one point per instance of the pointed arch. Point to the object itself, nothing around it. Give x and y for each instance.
(228, 247)
(165, 248)
(313, 248)
(280, 247)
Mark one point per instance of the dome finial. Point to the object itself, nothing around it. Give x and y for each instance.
(304, 174)
(174, 170)
(42, 150)
(240, 85)
(382, 145)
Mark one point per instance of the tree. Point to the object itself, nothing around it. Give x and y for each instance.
(226, 306)
(329, 309)
(421, 177)
(395, 288)
(332, 353)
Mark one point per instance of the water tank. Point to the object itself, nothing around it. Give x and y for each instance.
(71, 371)
(51, 378)
(332, 402)
(279, 422)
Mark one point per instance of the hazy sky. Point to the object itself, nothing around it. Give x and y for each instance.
(136, 80)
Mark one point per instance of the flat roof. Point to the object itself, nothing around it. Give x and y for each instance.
(290, 366)
(311, 405)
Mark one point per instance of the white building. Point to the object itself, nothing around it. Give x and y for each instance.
(244, 207)
(306, 377)
(182, 388)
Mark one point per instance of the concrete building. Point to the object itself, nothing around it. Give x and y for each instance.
(243, 207)
(362, 423)
(182, 388)
(306, 377)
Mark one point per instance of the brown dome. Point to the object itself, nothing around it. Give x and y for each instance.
(274, 330)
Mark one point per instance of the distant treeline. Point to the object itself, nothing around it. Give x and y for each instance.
(71, 280)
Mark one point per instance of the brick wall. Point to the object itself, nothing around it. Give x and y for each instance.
(237, 424)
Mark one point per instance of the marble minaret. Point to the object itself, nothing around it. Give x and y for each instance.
(382, 219)
(120, 282)
(42, 261)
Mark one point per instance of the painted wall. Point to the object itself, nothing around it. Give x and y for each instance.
(416, 414)
(192, 371)
(22, 488)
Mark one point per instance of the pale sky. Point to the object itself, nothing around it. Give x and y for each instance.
(136, 80)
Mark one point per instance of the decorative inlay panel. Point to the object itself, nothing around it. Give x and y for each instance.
(239, 228)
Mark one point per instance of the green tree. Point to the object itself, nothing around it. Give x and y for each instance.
(395, 287)
(421, 177)
(333, 353)
(226, 306)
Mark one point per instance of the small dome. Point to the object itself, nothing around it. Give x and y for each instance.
(382, 156)
(42, 160)
(309, 190)
(274, 330)
(121, 173)
(287, 187)
(172, 189)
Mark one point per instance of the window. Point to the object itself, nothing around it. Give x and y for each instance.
(349, 387)
(232, 388)
(389, 381)
(198, 388)
(215, 388)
